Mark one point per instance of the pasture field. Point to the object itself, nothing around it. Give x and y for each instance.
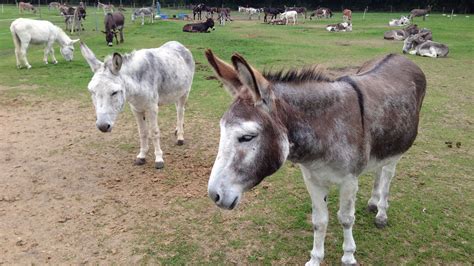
(71, 194)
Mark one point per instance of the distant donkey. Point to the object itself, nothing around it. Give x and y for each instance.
(113, 22)
(26, 6)
(421, 44)
(145, 78)
(419, 13)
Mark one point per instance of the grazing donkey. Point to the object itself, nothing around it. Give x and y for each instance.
(423, 46)
(145, 78)
(272, 12)
(25, 31)
(400, 35)
(113, 22)
(26, 6)
(419, 13)
(334, 129)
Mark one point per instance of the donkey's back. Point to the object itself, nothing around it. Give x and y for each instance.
(393, 89)
(172, 70)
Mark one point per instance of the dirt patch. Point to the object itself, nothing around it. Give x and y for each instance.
(70, 194)
(22, 87)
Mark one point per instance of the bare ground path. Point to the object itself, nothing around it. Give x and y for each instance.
(71, 194)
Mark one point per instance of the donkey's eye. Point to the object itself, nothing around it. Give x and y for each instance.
(114, 93)
(246, 138)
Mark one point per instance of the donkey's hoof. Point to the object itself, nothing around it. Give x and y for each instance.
(180, 142)
(159, 165)
(55, 62)
(140, 161)
(45, 62)
(372, 208)
(28, 66)
(380, 223)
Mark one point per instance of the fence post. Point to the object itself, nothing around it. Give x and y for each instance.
(39, 7)
(96, 21)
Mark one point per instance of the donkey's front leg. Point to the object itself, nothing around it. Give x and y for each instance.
(143, 132)
(319, 215)
(155, 135)
(347, 198)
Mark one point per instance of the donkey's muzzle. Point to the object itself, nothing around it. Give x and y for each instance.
(224, 200)
(104, 127)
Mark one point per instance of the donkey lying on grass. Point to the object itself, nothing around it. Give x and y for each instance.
(401, 34)
(145, 78)
(421, 44)
(334, 129)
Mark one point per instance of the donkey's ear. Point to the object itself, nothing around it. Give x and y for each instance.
(74, 41)
(116, 63)
(224, 72)
(254, 80)
(93, 62)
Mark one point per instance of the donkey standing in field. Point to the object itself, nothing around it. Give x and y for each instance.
(419, 13)
(25, 31)
(334, 129)
(113, 22)
(144, 12)
(26, 6)
(105, 7)
(145, 78)
(346, 15)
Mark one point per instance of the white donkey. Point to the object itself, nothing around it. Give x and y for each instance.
(145, 78)
(25, 31)
(289, 14)
(143, 12)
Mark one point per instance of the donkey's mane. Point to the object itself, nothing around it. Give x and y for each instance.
(301, 75)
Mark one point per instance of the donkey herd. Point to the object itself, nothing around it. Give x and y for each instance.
(335, 129)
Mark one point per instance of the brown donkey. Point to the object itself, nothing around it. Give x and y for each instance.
(419, 13)
(334, 129)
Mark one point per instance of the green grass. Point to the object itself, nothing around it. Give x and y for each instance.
(431, 213)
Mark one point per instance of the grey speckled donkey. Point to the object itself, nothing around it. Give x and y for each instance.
(421, 44)
(145, 78)
(333, 129)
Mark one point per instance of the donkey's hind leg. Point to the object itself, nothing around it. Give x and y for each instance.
(180, 104)
(23, 50)
(381, 190)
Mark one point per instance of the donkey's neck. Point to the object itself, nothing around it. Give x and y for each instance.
(307, 111)
(61, 37)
